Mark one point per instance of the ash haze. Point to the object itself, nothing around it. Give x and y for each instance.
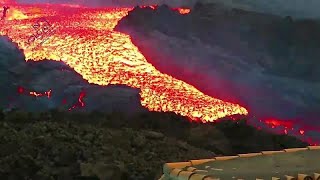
(294, 8)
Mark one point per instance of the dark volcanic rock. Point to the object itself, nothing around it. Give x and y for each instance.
(19, 78)
(266, 63)
(12, 66)
(292, 43)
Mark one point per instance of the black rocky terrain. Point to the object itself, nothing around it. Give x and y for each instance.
(64, 145)
(19, 78)
(292, 44)
(267, 63)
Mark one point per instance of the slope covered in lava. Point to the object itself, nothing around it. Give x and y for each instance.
(45, 85)
(264, 62)
(84, 38)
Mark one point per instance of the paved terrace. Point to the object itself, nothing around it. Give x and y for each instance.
(288, 164)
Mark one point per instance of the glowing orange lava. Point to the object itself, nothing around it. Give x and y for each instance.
(180, 10)
(7, 1)
(85, 40)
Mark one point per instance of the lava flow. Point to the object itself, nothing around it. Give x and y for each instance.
(85, 40)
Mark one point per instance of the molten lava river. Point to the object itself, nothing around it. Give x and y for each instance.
(85, 40)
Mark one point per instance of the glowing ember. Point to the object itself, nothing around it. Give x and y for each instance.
(276, 123)
(152, 6)
(36, 94)
(291, 127)
(180, 10)
(85, 40)
(21, 90)
(80, 102)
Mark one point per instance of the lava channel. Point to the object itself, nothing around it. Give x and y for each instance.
(85, 40)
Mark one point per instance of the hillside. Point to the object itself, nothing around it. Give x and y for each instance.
(64, 145)
(266, 63)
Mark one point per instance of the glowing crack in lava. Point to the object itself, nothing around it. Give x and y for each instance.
(86, 41)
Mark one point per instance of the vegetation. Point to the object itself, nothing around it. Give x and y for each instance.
(66, 145)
